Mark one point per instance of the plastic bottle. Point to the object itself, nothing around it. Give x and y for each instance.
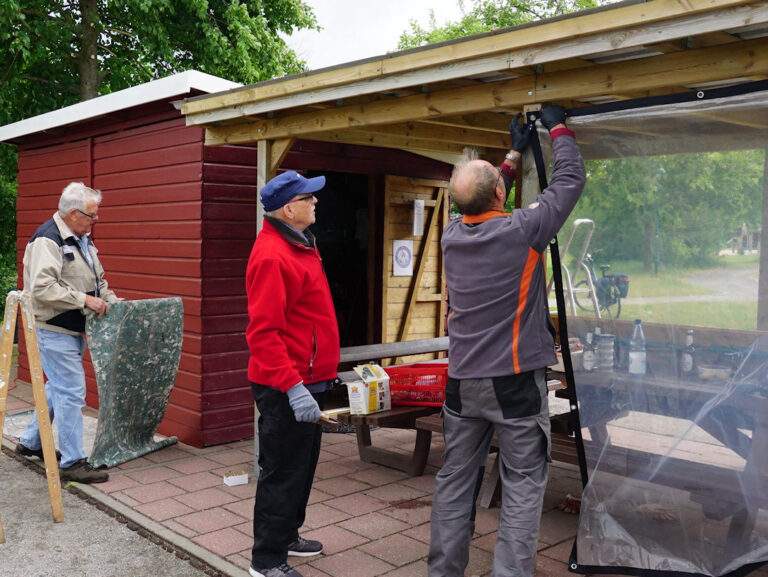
(637, 356)
(589, 353)
(688, 356)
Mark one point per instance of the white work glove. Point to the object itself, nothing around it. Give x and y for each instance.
(304, 405)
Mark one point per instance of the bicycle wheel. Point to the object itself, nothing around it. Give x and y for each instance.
(613, 309)
(582, 295)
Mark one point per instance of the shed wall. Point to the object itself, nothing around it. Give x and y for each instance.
(149, 230)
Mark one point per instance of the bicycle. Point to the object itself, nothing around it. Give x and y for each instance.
(601, 296)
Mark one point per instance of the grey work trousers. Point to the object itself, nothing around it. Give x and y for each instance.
(517, 410)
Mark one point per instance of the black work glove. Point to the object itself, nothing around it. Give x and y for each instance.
(519, 134)
(552, 115)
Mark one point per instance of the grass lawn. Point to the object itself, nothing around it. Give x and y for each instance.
(719, 314)
(738, 260)
(644, 283)
(669, 282)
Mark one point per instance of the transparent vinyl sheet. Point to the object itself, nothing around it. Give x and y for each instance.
(674, 415)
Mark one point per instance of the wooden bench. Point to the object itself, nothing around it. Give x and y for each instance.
(563, 449)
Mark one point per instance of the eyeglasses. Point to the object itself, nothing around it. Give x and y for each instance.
(93, 216)
(309, 198)
(496, 184)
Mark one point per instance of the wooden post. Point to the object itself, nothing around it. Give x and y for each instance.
(263, 175)
(13, 302)
(530, 176)
(269, 155)
(762, 290)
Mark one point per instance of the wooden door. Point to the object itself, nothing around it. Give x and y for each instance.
(414, 306)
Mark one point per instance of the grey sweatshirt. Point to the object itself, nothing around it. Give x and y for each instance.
(498, 320)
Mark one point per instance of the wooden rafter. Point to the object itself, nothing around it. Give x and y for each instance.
(689, 67)
(481, 120)
(367, 138)
(489, 138)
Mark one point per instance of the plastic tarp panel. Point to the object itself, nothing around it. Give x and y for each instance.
(676, 457)
(135, 349)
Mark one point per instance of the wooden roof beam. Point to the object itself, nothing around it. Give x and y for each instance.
(695, 66)
(527, 46)
(432, 132)
(400, 142)
(481, 120)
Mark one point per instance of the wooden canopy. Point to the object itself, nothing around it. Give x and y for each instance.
(439, 99)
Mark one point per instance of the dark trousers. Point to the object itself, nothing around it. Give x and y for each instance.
(288, 453)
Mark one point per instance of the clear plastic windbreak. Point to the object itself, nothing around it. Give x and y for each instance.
(666, 288)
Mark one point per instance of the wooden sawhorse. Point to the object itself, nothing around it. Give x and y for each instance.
(18, 300)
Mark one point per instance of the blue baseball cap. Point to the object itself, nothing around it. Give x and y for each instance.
(286, 186)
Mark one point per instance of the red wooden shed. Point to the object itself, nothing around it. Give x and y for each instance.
(178, 218)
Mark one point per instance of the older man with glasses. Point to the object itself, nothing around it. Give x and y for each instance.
(293, 338)
(63, 275)
(501, 341)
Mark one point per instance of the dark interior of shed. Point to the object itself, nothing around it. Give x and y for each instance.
(342, 238)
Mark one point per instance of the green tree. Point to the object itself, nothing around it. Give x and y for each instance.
(57, 52)
(693, 201)
(485, 15)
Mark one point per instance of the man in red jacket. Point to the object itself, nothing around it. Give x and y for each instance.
(293, 338)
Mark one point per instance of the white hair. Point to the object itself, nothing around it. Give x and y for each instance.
(75, 196)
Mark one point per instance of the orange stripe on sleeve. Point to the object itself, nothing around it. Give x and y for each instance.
(525, 287)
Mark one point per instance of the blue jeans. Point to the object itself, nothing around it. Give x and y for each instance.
(62, 359)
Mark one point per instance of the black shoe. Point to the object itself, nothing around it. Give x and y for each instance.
(27, 452)
(283, 570)
(82, 472)
(305, 548)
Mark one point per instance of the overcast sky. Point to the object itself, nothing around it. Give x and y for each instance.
(356, 29)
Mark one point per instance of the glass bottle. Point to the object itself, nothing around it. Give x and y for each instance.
(688, 356)
(588, 354)
(596, 340)
(637, 354)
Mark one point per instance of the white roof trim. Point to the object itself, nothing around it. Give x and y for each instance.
(170, 86)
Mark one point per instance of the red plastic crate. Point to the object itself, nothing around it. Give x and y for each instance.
(421, 384)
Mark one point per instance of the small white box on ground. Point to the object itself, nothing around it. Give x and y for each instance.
(371, 393)
(233, 478)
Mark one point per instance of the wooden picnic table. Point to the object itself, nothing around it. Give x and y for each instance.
(733, 487)
(403, 417)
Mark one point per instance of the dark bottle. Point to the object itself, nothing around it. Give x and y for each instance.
(637, 356)
(589, 353)
(688, 356)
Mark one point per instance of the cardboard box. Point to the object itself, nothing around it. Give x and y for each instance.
(370, 394)
(232, 478)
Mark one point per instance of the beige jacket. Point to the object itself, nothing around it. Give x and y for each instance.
(57, 276)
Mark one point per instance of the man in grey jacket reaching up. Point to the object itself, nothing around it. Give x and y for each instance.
(501, 341)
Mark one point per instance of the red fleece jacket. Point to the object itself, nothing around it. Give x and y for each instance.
(292, 334)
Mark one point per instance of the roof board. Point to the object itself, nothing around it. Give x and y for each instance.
(171, 86)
